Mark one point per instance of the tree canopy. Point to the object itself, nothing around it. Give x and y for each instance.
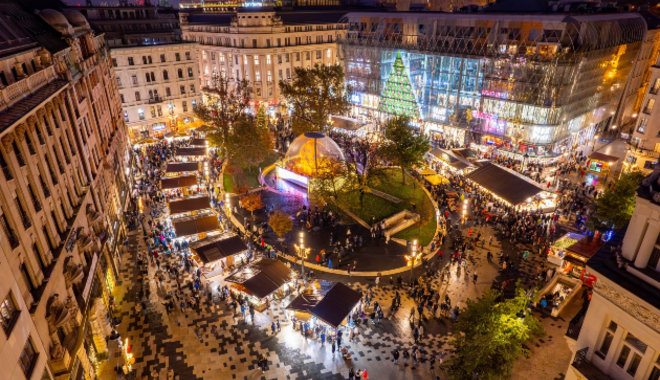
(402, 146)
(280, 222)
(615, 206)
(490, 336)
(226, 104)
(249, 142)
(314, 94)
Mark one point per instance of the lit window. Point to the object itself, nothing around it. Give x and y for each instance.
(8, 314)
(268, 59)
(245, 59)
(256, 59)
(656, 86)
(328, 53)
(141, 114)
(28, 358)
(257, 76)
(269, 77)
(649, 106)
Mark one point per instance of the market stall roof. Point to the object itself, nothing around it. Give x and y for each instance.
(433, 179)
(305, 302)
(191, 151)
(506, 184)
(190, 225)
(585, 247)
(347, 123)
(218, 247)
(176, 182)
(189, 204)
(603, 157)
(336, 304)
(453, 159)
(198, 142)
(178, 167)
(262, 277)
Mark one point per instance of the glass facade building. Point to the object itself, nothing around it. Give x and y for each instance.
(534, 84)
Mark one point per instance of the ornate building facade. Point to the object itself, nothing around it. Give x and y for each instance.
(262, 46)
(159, 87)
(62, 193)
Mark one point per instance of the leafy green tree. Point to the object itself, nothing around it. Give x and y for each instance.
(617, 203)
(402, 146)
(227, 102)
(314, 94)
(490, 336)
(249, 142)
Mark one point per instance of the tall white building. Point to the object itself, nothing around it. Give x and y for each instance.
(262, 46)
(158, 85)
(619, 337)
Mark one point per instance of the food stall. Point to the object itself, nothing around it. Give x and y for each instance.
(325, 303)
(216, 254)
(174, 168)
(189, 205)
(193, 153)
(601, 163)
(198, 226)
(557, 250)
(261, 280)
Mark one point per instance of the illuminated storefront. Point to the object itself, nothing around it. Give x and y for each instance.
(532, 85)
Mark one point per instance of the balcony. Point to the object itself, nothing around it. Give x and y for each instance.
(26, 86)
(155, 99)
(585, 368)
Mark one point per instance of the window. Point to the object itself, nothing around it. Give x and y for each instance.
(655, 372)
(607, 340)
(279, 42)
(162, 57)
(28, 358)
(137, 96)
(153, 111)
(17, 152)
(190, 72)
(256, 60)
(147, 77)
(279, 59)
(114, 62)
(631, 354)
(130, 61)
(118, 82)
(9, 232)
(159, 110)
(166, 75)
(268, 42)
(144, 60)
(269, 77)
(126, 116)
(22, 213)
(297, 57)
(184, 105)
(153, 76)
(8, 313)
(188, 55)
(328, 53)
(149, 59)
(141, 114)
(318, 54)
(180, 73)
(121, 97)
(649, 106)
(288, 73)
(254, 43)
(182, 88)
(28, 141)
(177, 56)
(168, 92)
(656, 87)
(192, 88)
(257, 76)
(308, 56)
(194, 104)
(245, 60)
(33, 196)
(39, 135)
(642, 125)
(279, 74)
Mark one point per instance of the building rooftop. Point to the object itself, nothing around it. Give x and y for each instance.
(606, 263)
(287, 17)
(20, 26)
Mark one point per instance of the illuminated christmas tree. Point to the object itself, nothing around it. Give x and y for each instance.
(398, 97)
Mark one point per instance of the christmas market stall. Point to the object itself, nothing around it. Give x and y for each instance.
(197, 142)
(218, 253)
(601, 163)
(262, 280)
(513, 188)
(442, 158)
(324, 304)
(184, 181)
(181, 167)
(195, 153)
(189, 204)
(196, 225)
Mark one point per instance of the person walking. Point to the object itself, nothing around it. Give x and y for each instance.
(395, 355)
(365, 375)
(351, 374)
(334, 348)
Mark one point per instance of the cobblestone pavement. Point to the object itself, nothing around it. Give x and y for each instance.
(182, 342)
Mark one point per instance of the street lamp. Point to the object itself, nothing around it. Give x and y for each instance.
(413, 257)
(302, 252)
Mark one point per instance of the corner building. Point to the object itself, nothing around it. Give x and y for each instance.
(62, 193)
(618, 336)
(535, 85)
(262, 47)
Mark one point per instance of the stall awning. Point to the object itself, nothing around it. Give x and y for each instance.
(336, 304)
(177, 167)
(189, 204)
(454, 160)
(585, 247)
(305, 302)
(198, 142)
(176, 182)
(261, 278)
(603, 157)
(192, 151)
(433, 179)
(191, 225)
(218, 247)
(508, 185)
